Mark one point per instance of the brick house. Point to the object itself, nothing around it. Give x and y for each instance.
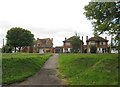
(43, 45)
(39, 46)
(67, 45)
(100, 43)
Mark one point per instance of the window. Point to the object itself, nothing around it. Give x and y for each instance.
(99, 49)
(38, 45)
(104, 43)
(66, 50)
(103, 50)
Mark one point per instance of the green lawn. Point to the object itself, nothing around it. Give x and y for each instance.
(88, 69)
(18, 66)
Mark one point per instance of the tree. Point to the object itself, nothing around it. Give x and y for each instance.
(93, 49)
(76, 43)
(105, 16)
(18, 37)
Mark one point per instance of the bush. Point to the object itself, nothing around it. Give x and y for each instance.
(7, 49)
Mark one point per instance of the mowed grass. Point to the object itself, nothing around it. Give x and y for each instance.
(19, 66)
(88, 69)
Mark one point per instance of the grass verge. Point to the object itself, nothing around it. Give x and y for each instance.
(88, 69)
(19, 66)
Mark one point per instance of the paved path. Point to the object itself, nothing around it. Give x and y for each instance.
(46, 75)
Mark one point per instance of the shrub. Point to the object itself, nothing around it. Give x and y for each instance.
(7, 49)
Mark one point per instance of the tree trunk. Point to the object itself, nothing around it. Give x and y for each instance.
(19, 49)
(15, 49)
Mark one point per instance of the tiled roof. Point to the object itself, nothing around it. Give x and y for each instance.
(47, 42)
(97, 38)
(43, 41)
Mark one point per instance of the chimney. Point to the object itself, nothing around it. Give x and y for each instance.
(52, 39)
(65, 38)
(86, 37)
(37, 38)
(106, 38)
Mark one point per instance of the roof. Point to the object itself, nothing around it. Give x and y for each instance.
(69, 39)
(59, 47)
(97, 38)
(43, 41)
(47, 42)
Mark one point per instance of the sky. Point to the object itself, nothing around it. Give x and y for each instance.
(55, 19)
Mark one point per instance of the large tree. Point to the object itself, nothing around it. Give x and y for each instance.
(18, 37)
(76, 43)
(105, 16)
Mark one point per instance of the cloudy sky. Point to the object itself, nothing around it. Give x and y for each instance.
(55, 19)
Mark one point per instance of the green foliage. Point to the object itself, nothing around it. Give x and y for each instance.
(93, 49)
(7, 49)
(76, 44)
(19, 66)
(89, 69)
(104, 16)
(18, 37)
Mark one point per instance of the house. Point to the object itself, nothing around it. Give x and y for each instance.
(43, 45)
(59, 49)
(100, 43)
(39, 46)
(67, 47)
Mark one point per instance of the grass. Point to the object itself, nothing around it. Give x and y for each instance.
(19, 66)
(88, 69)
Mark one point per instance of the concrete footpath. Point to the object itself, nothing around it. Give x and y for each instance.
(45, 76)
